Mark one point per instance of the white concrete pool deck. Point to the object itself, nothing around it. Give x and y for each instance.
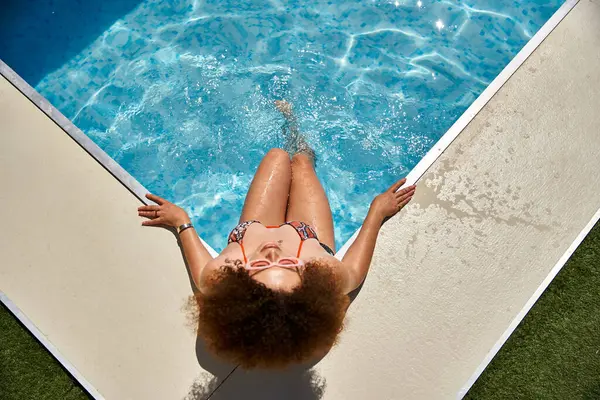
(493, 220)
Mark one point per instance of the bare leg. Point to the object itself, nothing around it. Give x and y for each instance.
(267, 197)
(295, 142)
(308, 202)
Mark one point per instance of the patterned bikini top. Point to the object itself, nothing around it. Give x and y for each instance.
(305, 232)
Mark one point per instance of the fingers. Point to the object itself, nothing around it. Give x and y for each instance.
(406, 190)
(153, 222)
(148, 214)
(404, 196)
(397, 185)
(155, 217)
(152, 211)
(148, 208)
(155, 198)
(404, 202)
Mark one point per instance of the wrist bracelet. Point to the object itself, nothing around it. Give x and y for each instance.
(183, 227)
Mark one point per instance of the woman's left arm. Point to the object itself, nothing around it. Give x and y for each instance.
(357, 259)
(167, 213)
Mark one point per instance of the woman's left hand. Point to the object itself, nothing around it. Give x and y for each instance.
(390, 202)
(165, 213)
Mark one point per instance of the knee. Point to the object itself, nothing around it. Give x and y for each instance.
(278, 155)
(301, 160)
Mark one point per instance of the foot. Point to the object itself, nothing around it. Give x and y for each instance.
(285, 108)
(295, 142)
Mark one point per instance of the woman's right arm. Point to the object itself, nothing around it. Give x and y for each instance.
(196, 255)
(167, 213)
(357, 259)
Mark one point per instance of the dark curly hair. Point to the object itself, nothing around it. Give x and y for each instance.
(247, 323)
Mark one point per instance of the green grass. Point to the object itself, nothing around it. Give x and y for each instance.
(27, 370)
(553, 354)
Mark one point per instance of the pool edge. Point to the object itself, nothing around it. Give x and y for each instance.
(415, 174)
(110, 165)
(114, 168)
(461, 123)
(66, 364)
(528, 305)
(508, 71)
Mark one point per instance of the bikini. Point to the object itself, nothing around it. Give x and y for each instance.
(304, 231)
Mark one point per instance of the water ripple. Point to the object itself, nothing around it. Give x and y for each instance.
(180, 93)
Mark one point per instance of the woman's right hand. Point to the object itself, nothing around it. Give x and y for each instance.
(165, 213)
(390, 202)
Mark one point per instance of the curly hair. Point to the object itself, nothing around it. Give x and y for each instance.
(247, 323)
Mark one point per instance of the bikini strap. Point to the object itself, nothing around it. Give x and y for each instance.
(241, 243)
(299, 248)
(237, 235)
(303, 230)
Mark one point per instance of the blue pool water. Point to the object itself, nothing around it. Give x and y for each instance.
(180, 92)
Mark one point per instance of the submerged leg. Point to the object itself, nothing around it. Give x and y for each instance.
(295, 142)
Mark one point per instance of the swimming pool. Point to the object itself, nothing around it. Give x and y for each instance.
(180, 92)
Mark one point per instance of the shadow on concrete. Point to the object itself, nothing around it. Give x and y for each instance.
(215, 371)
(203, 387)
(207, 361)
(39, 36)
(300, 382)
(220, 369)
(296, 383)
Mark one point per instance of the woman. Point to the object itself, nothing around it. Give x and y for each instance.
(276, 294)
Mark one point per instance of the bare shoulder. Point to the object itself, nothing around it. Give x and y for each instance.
(351, 280)
(343, 272)
(207, 274)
